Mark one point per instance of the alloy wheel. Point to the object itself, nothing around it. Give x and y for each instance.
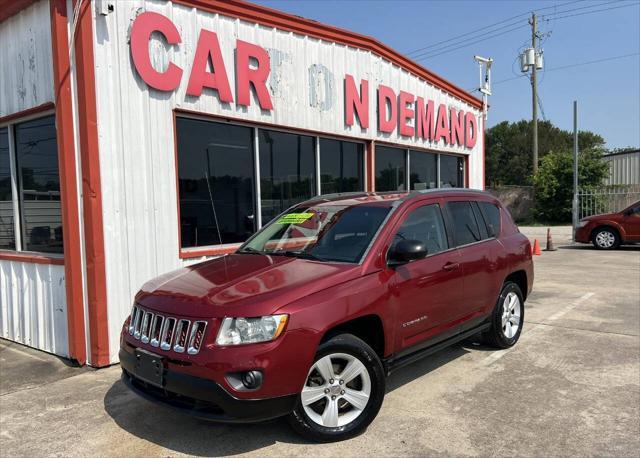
(337, 390)
(605, 239)
(511, 315)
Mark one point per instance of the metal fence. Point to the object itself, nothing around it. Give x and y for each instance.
(608, 199)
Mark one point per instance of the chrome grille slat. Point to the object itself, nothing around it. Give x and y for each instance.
(166, 332)
(156, 330)
(182, 334)
(144, 329)
(196, 336)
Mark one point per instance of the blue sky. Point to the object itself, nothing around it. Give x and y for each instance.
(608, 92)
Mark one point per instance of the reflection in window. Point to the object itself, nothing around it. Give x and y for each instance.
(287, 171)
(465, 227)
(424, 224)
(451, 171)
(341, 166)
(424, 170)
(216, 182)
(7, 232)
(37, 160)
(390, 169)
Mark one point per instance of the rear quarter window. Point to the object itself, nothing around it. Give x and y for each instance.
(492, 218)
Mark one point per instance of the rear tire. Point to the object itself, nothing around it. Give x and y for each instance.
(343, 392)
(605, 238)
(507, 318)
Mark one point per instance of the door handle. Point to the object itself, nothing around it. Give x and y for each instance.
(451, 266)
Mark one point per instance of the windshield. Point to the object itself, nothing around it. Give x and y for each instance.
(324, 233)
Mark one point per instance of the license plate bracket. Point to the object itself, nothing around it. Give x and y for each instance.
(149, 367)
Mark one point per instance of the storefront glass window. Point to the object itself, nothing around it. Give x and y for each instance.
(341, 166)
(390, 169)
(37, 161)
(423, 170)
(7, 232)
(216, 182)
(287, 171)
(451, 171)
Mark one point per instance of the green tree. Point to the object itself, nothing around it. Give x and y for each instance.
(554, 182)
(509, 156)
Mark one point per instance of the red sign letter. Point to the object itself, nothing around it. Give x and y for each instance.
(209, 48)
(143, 26)
(442, 125)
(351, 101)
(470, 130)
(406, 113)
(386, 95)
(457, 126)
(424, 119)
(245, 75)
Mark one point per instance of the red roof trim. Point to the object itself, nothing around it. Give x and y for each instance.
(9, 8)
(278, 19)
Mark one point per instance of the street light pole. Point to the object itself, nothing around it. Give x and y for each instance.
(575, 168)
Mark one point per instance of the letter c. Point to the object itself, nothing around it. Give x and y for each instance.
(143, 26)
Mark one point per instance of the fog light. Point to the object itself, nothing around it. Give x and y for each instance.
(252, 379)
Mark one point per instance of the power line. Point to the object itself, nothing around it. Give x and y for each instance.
(563, 67)
(489, 34)
(488, 27)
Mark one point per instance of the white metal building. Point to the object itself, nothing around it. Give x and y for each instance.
(122, 154)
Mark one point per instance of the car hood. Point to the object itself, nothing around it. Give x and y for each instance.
(241, 285)
(608, 216)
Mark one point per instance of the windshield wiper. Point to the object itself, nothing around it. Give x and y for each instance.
(301, 255)
(250, 250)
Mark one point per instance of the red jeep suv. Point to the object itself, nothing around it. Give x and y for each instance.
(311, 314)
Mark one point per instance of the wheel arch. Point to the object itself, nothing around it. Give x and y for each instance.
(368, 328)
(608, 225)
(519, 277)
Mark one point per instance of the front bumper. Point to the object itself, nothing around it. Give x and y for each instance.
(203, 398)
(583, 234)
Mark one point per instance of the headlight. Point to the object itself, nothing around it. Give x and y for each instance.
(582, 224)
(237, 331)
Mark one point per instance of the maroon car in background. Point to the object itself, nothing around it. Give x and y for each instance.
(313, 312)
(610, 230)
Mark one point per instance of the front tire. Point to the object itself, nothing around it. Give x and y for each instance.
(507, 318)
(605, 238)
(343, 391)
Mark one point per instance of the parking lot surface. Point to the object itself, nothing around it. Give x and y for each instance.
(571, 386)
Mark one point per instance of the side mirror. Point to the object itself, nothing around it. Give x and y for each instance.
(407, 251)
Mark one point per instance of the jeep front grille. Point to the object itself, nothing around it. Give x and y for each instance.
(167, 332)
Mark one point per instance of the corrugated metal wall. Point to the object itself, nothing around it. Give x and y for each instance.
(33, 306)
(624, 168)
(25, 60)
(135, 126)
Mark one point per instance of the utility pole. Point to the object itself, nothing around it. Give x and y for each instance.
(534, 90)
(575, 168)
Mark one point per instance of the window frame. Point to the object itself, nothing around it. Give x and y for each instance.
(212, 250)
(19, 253)
(368, 170)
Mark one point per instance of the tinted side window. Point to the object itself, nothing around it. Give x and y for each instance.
(480, 220)
(425, 224)
(492, 217)
(465, 227)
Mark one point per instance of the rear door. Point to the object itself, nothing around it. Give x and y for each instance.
(479, 257)
(424, 292)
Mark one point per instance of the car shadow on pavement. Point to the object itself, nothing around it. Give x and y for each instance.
(184, 434)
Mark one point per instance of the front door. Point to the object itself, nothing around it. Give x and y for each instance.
(631, 224)
(424, 292)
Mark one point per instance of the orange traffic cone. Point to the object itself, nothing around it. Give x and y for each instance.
(550, 246)
(536, 248)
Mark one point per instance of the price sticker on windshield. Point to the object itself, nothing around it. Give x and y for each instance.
(294, 218)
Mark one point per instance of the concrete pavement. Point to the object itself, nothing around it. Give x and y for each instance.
(571, 386)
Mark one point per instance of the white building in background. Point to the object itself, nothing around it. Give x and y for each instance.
(108, 152)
